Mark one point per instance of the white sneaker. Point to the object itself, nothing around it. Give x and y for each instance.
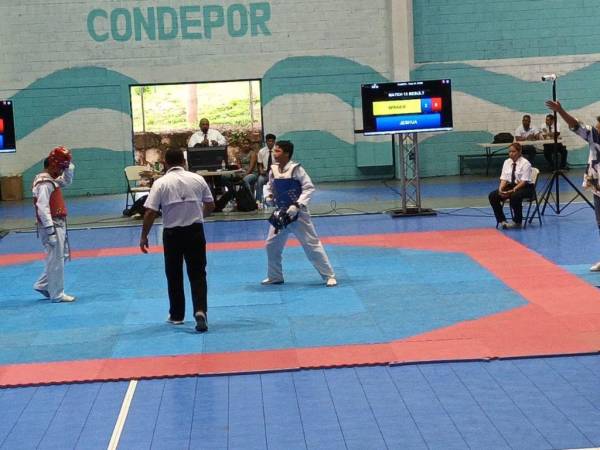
(268, 281)
(331, 282)
(513, 226)
(595, 267)
(503, 225)
(174, 322)
(66, 298)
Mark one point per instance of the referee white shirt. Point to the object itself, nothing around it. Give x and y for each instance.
(547, 130)
(522, 170)
(263, 157)
(181, 194)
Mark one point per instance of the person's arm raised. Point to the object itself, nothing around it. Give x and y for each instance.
(557, 107)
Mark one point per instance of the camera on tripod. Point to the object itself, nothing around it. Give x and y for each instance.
(550, 77)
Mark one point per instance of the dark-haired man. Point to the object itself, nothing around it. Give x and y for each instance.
(515, 185)
(548, 130)
(525, 132)
(206, 137)
(264, 160)
(185, 199)
(290, 188)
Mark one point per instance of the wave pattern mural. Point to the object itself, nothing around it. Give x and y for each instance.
(341, 77)
(89, 162)
(69, 90)
(513, 92)
(326, 155)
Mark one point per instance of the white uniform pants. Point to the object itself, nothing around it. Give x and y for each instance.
(53, 277)
(305, 232)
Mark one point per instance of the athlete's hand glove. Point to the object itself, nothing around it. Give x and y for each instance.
(52, 240)
(292, 212)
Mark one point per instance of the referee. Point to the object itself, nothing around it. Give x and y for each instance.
(185, 199)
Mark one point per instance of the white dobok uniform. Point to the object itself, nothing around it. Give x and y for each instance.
(302, 227)
(52, 278)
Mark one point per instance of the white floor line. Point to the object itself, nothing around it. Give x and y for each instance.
(116, 435)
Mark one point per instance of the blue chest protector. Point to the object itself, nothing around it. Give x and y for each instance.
(286, 191)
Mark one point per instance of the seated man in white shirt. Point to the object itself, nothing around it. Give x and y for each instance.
(206, 137)
(525, 132)
(548, 129)
(515, 185)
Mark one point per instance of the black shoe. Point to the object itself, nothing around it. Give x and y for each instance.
(201, 322)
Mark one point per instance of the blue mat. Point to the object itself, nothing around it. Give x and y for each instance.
(384, 294)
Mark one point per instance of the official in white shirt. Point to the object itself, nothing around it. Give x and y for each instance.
(185, 199)
(206, 137)
(548, 129)
(515, 185)
(525, 132)
(264, 160)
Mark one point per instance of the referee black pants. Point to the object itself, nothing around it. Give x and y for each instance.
(515, 200)
(189, 244)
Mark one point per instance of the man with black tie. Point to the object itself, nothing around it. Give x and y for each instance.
(515, 185)
(548, 130)
(264, 160)
(206, 137)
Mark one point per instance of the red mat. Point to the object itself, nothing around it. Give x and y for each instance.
(562, 317)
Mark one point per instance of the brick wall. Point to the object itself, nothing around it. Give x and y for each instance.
(495, 53)
(68, 67)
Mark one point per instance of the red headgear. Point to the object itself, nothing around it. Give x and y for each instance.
(60, 157)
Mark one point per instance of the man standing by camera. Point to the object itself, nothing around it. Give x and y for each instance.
(185, 199)
(51, 215)
(290, 188)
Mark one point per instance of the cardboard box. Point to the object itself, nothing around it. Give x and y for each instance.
(11, 188)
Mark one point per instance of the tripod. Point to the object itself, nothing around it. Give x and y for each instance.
(553, 183)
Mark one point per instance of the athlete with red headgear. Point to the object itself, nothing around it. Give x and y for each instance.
(51, 214)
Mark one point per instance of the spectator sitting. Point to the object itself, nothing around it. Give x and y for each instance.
(206, 137)
(247, 161)
(525, 132)
(548, 129)
(515, 185)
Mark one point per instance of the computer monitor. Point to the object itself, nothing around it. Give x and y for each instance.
(206, 158)
(407, 107)
(7, 127)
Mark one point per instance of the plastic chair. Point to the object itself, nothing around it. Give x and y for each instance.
(133, 176)
(535, 174)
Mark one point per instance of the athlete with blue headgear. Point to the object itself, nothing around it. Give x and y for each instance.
(290, 188)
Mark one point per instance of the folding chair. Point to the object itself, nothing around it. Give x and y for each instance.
(132, 175)
(532, 200)
(535, 174)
